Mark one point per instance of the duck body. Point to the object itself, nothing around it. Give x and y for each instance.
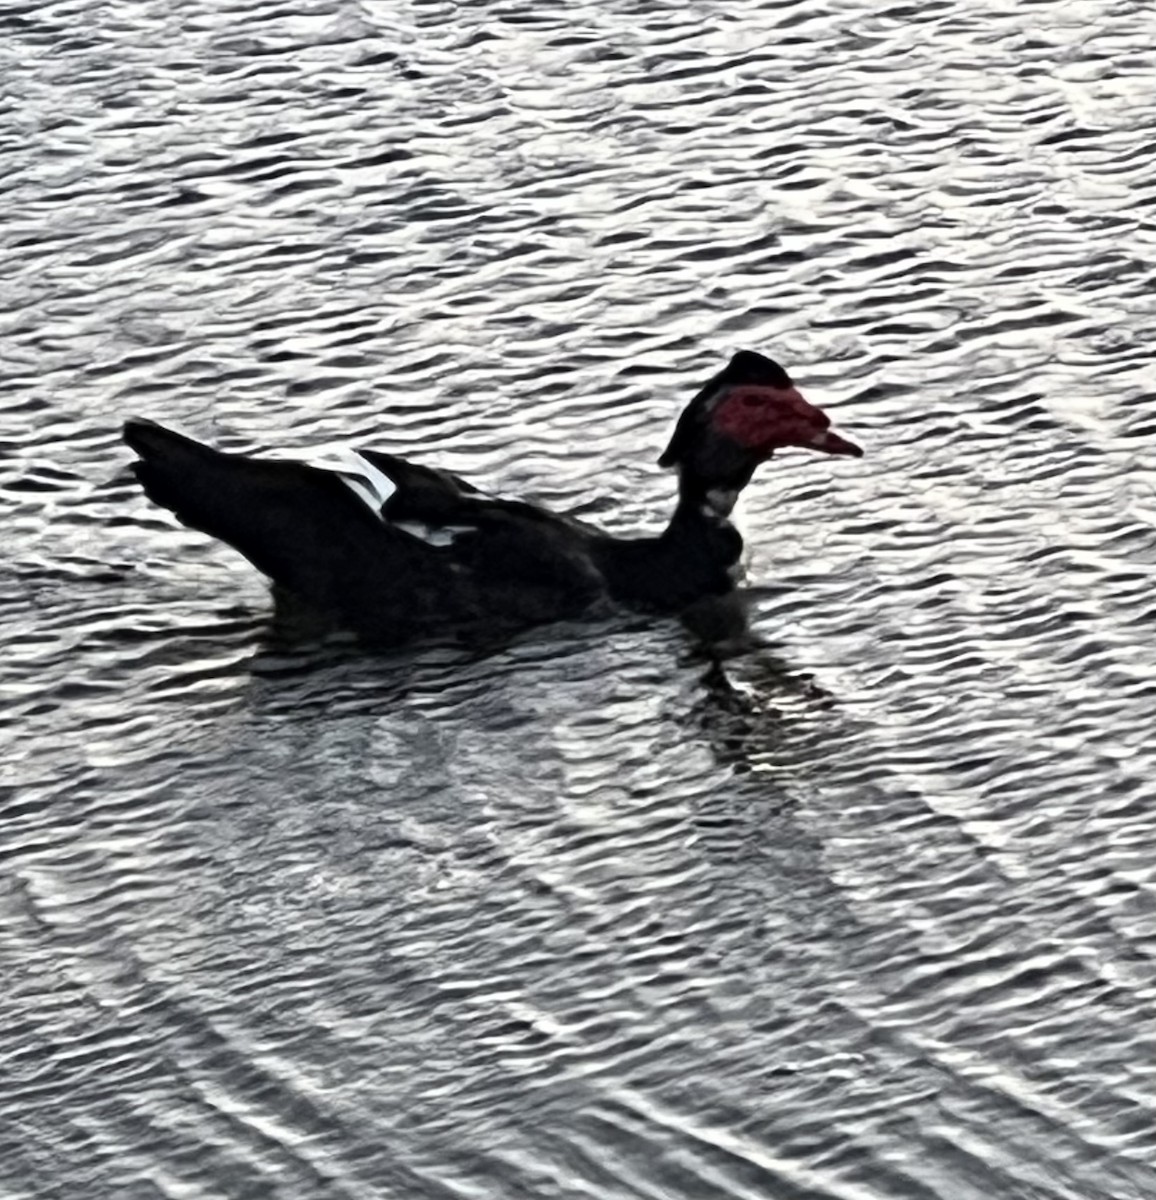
(392, 550)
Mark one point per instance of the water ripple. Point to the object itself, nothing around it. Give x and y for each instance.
(868, 912)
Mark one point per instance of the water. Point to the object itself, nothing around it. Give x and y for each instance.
(867, 914)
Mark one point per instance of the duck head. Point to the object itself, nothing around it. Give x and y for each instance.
(738, 420)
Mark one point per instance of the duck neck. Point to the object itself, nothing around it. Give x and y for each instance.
(693, 557)
(700, 531)
(699, 517)
(700, 541)
(714, 499)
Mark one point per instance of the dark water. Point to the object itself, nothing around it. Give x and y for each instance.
(869, 916)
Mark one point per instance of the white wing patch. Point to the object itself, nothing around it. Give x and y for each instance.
(432, 535)
(371, 485)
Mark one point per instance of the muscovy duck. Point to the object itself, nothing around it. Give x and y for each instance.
(390, 550)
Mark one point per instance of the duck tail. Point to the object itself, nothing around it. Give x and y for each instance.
(169, 462)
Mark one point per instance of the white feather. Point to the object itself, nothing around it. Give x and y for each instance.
(371, 485)
(432, 535)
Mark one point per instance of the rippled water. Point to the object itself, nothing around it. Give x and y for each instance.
(867, 914)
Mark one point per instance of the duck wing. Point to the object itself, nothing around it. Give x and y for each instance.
(511, 562)
(380, 546)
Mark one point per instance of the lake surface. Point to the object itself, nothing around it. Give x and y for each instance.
(868, 913)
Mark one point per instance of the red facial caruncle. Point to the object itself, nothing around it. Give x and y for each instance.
(765, 419)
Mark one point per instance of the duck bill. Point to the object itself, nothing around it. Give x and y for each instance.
(829, 442)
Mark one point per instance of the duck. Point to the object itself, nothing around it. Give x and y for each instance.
(391, 550)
